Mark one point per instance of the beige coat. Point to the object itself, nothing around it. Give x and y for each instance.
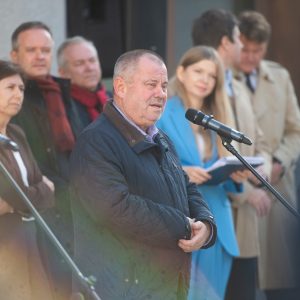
(246, 221)
(276, 109)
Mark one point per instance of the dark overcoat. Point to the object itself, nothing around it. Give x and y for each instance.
(131, 204)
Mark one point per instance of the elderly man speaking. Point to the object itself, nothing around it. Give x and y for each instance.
(137, 217)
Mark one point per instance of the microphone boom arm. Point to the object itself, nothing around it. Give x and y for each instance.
(206, 120)
(87, 282)
(226, 143)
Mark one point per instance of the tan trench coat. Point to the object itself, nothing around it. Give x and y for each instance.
(277, 112)
(245, 217)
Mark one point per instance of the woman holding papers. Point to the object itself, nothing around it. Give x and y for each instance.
(199, 84)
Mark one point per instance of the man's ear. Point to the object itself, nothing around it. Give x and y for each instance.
(62, 73)
(14, 56)
(225, 42)
(120, 87)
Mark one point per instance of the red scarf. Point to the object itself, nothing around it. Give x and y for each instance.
(93, 101)
(61, 129)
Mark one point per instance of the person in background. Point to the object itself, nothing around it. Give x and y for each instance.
(142, 215)
(277, 112)
(50, 121)
(219, 29)
(199, 84)
(21, 272)
(78, 61)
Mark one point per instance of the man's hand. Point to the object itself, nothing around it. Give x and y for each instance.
(49, 183)
(200, 235)
(261, 201)
(254, 180)
(196, 174)
(5, 208)
(277, 171)
(240, 176)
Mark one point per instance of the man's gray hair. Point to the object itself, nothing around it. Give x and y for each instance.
(127, 62)
(61, 59)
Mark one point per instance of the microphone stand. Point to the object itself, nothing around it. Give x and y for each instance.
(87, 283)
(226, 143)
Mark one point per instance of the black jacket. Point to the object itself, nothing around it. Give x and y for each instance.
(33, 118)
(84, 117)
(131, 207)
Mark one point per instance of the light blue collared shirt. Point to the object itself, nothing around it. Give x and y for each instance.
(151, 131)
(228, 83)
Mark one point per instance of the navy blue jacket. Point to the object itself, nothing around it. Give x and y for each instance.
(131, 204)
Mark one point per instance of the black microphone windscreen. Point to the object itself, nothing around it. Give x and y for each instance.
(194, 115)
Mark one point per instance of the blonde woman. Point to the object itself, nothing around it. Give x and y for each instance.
(199, 84)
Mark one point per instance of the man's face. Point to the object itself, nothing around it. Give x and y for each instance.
(235, 47)
(82, 66)
(251, 55)
(34, 52)
(142, 96)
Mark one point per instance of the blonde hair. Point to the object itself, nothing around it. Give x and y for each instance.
(217, 103)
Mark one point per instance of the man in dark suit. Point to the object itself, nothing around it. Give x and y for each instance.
(49, 119)
(78, 61)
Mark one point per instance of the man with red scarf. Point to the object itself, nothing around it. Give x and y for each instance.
(49, 119)
(78, 61)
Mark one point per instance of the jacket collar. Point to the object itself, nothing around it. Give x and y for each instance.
(263, 72)
(32, 87)
(136, 140)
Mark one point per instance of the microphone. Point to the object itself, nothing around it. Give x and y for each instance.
(8, 143)
(208, 122)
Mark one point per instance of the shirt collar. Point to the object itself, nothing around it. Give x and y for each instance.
(151, 131)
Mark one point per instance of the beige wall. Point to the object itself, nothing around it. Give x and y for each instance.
(14, 12)
(181, 14)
